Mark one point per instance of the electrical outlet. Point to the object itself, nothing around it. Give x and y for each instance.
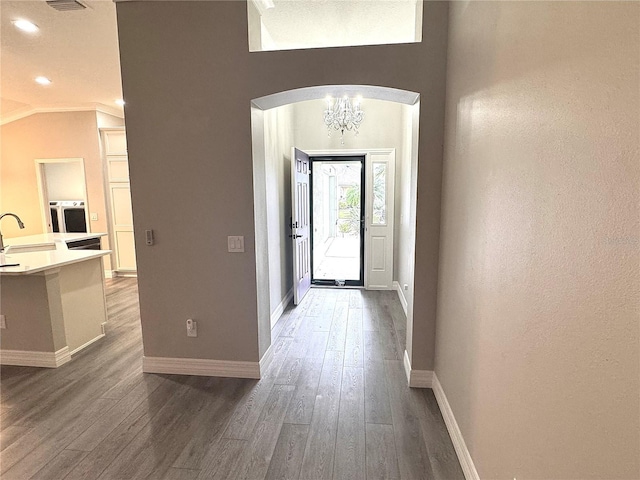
(192, 328)
(3, 321)
(94, 217)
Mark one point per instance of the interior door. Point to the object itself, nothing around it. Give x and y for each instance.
(300, 224)
(379, 185)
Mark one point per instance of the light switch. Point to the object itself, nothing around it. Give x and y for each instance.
(235, 244)
(94, 217)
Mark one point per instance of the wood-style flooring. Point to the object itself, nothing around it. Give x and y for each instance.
(334, 404)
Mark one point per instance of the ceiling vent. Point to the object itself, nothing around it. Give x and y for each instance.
(66, 5)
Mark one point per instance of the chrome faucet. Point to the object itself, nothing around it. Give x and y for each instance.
(20, 224)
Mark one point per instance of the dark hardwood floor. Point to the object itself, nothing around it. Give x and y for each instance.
(334, 404)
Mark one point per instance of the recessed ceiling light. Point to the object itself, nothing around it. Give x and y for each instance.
(43, 80)
(26, 26)
(120, 102)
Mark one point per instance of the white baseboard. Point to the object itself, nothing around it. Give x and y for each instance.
(125, 273)
(417, 378)
(265, 361)
(403, 299)
(93, 340)
(26, 358)
(464, 457)
(201, 367)
(277, 313)
(109, 274)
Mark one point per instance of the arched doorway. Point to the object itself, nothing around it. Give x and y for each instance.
(294, 119)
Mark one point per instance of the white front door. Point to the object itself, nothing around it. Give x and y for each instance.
(379, 186)
(300, 224)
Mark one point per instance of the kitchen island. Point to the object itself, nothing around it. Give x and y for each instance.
(49, 241)
(52, 301)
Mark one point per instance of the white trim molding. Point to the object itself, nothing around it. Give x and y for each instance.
(277, 313)
(417, 378)
(93, 340)
(30, 110)
(403, 299)
(125, 273)
(201, 367)
(464, 457)
(266, 359)
(26, 358)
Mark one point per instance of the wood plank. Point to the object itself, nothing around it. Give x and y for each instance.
(181, 474)
(355, 298)
(25, 457)
(301, 406)
(350, 441)
(369, 318)
(60, 466)
(316, 299)
(97, 432)
(309, 345)
(280, 350)
(442, 456)
(322, 323)
(152, 452)
(413, 458)
(248, 411)
(257, 455)
(222, 396)
(222, 459)
(319, 452)
(135, 433)
(9, 435)
(377, 406)
(294, 320)
(290, 371)
(354, 346)
(338, 332)
(286, 461)
(108, 450)
(382, 462)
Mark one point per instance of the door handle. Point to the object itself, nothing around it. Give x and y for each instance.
(295, 236)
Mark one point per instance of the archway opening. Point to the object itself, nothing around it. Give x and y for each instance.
(294, 118)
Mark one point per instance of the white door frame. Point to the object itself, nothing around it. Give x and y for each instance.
(366, 152)
(43, 194)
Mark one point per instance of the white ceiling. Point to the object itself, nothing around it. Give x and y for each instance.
(76, 50)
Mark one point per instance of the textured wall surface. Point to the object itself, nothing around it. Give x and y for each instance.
(538, 305)
(48, 135)
(188, 79)
(278, 135)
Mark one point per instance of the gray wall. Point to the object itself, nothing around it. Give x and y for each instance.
(188, 79)
(537, 339)
(278, 126)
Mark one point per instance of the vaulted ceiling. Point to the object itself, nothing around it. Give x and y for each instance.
(76, 50)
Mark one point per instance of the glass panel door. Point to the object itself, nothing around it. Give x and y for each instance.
(337, 221)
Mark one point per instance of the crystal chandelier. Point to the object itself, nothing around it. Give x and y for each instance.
(342, 115)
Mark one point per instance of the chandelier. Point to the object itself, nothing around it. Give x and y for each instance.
(342, 114)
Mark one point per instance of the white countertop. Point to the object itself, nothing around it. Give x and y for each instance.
(34, 262)
(49, 239)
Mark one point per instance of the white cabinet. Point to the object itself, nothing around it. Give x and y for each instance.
(115, 142)
(117, 166)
